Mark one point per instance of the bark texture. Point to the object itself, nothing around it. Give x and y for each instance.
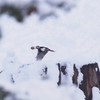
(91, 78)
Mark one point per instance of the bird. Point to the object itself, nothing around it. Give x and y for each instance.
(42, 51)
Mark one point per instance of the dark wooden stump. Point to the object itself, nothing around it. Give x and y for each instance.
(91, 78)
(62, 69)
(75, 76)
(59, 68)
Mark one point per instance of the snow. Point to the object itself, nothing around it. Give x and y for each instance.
(44, 8)
(96, 93)
(74, 36)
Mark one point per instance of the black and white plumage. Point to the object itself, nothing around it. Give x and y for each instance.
(42, 51)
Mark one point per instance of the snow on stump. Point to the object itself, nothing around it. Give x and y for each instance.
(91, 78)
(62, 70)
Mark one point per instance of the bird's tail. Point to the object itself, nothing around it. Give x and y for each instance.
(51, 50)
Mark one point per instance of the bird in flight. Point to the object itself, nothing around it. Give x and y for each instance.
(42, 51)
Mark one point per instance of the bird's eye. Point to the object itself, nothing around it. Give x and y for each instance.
(42, 49)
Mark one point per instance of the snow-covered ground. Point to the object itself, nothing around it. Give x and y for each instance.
(75, 38)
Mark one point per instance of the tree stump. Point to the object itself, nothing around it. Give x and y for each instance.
(62, 69)
(91, 78)
(75, 76)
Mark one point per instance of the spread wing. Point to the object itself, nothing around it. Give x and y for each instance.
(41, 54)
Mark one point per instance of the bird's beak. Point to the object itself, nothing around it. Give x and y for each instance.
(51, 50)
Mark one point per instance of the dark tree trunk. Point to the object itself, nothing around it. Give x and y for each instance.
(91, 78)
(59, 81)
(62, 70)
(75, 76)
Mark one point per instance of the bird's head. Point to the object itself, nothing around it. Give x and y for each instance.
(32, 48)
(35, 47)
